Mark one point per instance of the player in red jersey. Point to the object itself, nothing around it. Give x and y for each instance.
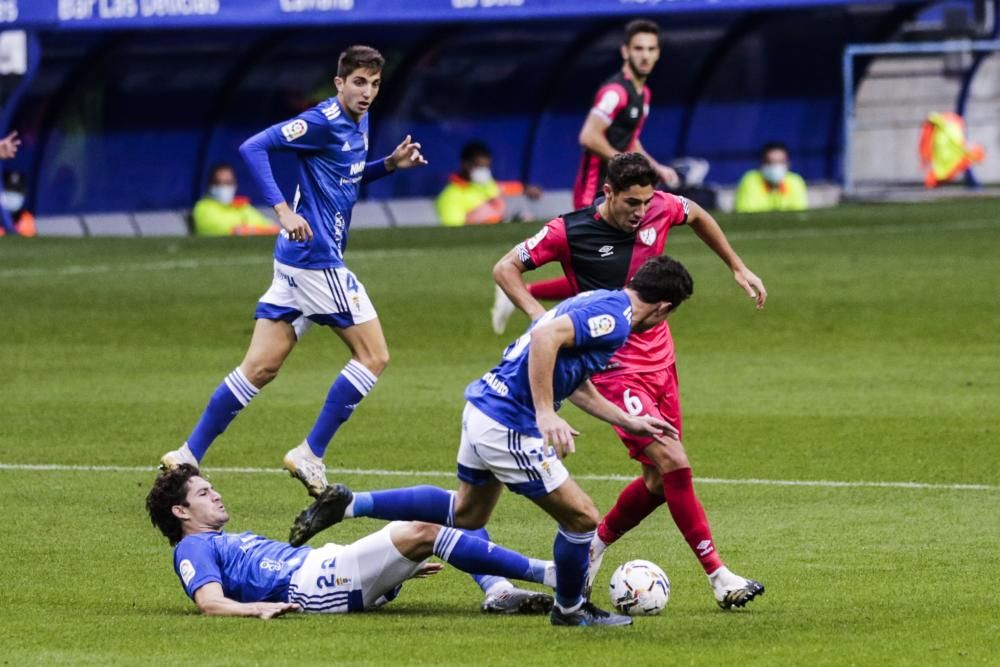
(600, 247)
(613, 125)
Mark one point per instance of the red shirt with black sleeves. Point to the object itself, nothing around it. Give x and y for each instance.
(595, 255)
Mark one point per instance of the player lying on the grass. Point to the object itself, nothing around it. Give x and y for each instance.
(512, 435)
(311, 282)
(243, 574)
(600, 247)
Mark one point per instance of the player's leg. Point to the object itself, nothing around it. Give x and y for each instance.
(473, 554)
(641, 496)
(670, 464)
(336, 298)
(275, 333)
(577, 517)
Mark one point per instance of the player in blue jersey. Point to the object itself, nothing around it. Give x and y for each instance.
(244, 574)
(311, 282)
(512, 435)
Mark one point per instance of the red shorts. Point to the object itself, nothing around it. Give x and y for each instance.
(656, 394)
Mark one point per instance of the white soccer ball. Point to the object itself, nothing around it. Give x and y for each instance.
(639, 588)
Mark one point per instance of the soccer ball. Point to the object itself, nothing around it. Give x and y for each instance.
(639, 588)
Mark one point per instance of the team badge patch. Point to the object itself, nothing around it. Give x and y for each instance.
(648, 235)
(292, 131)
(609, 102)
(187, 571)
(601, 325)
(537, 238)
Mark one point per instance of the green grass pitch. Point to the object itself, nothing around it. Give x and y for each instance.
(875, 360)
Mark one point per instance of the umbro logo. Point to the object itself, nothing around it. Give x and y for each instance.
(704, 547)
(606, 251)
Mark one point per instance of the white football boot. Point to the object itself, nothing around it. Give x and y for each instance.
(306, 467)
(501, 311)
(176, 457)
(597, 549)
(732, 590)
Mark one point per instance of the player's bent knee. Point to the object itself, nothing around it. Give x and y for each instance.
(414, 539)
(375, 362)
(260, 374)
(584, 520)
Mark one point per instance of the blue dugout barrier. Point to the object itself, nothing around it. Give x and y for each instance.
(128, 111)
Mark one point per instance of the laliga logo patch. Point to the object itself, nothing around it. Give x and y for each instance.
(187, 571)
(292, 131)
(601, 325)
(648, 235)
(537, 238)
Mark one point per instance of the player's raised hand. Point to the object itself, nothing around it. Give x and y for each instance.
(293, 223)
(268, 610)
(557, 433)
(752, 285)
(9, 146)
(407, 155)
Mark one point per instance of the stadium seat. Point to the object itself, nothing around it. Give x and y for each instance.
(161, 223)
(110, 224)
(370, 215)
(60, 225)
(412, 212)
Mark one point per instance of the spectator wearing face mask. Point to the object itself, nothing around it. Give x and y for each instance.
(772, 187)
(12, 200)
(474, 197)
(221, 213)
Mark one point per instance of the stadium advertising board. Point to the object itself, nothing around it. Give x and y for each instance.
(113, 14)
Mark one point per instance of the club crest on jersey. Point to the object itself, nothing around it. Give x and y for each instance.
(648, 235)
(537, 238)
(292, 131)
(634, 112)
(187, 571)
(601, 325)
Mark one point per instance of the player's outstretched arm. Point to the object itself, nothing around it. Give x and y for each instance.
(588, 399)
(709, 231)
(509, 275)
(546, 340)
(212, 602)
(666, 174)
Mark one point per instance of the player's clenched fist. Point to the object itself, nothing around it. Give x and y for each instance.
(294, 225)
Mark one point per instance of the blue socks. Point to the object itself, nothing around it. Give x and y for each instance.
(471, 554)
(352, 385)
(416, 503)
(231, 396)
(572, 556)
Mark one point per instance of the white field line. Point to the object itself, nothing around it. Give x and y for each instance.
(390, 253)
(45, 467)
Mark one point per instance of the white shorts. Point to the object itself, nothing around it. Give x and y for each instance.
(337, 579)
(491, 450)
(324, 296)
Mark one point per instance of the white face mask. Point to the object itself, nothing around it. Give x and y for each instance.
(774, 173)
(12, 202)
(480, 175)
(224, 194)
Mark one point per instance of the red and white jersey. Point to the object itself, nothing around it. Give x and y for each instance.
(595, 255)
(625, 109)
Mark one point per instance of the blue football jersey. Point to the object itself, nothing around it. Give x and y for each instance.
(602, 320)
(249, 567)
(331, 150)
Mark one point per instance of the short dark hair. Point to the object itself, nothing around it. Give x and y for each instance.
(628, 169)
(772, 146)
(170, 489)
(359, 57)
(663, 279)
(216, 168)
(633, 28)
(474, 149)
